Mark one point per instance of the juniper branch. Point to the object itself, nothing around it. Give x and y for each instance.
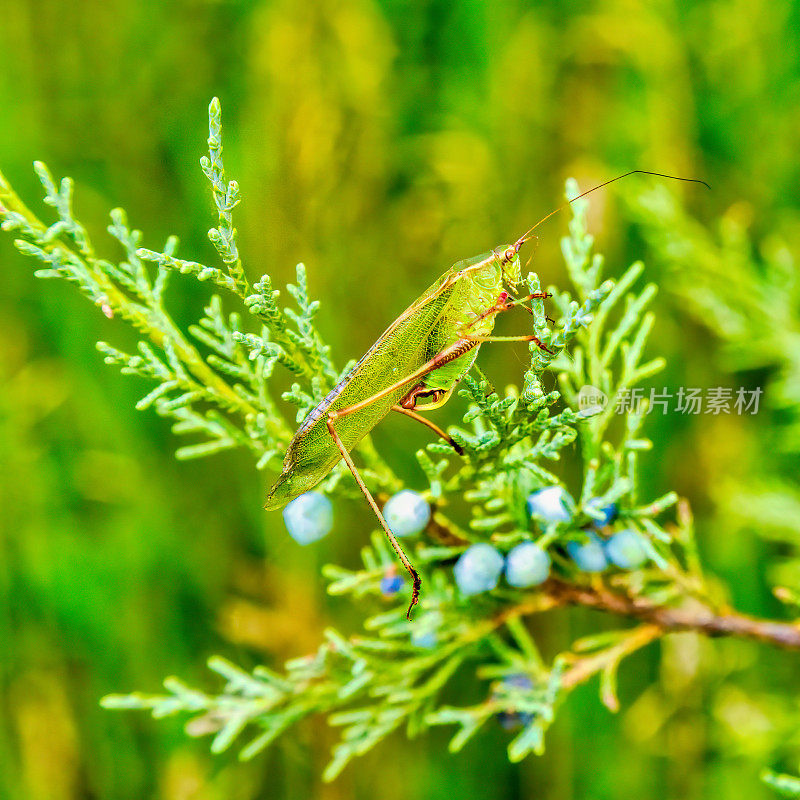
(152, 321)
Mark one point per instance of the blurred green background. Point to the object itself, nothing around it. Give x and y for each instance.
(377, 141)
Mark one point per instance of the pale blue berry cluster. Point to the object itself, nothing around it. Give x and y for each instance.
(479, 568)
(601, 515)
(513, 719)
(624, 549)
(391, 582)
(552, 504)
(424, 639)
(590, 552)
(309, 517)
(527, 564)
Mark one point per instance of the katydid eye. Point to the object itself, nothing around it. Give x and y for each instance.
(509, 254)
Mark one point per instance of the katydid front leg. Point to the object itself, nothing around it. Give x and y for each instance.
(502, 304)
(535, 296)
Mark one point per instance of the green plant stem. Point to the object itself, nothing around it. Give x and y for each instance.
(584, 667)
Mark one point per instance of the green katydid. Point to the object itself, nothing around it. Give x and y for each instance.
(422, 355)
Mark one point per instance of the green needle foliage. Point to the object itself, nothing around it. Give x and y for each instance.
(784, 785)
(213, 381)
(748, 295)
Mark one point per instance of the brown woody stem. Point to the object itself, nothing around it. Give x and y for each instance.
(689, 617)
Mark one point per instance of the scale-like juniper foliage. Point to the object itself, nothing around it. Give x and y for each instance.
(213, 382)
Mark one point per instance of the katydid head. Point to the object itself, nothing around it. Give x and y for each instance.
(509, 263)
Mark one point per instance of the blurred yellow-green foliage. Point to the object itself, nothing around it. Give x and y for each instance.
(377, 141)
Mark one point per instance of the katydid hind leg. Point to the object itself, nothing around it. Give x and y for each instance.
(432, 425)
(444, 356)
(416, 581)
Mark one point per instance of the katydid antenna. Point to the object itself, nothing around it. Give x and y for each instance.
(526, 236)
